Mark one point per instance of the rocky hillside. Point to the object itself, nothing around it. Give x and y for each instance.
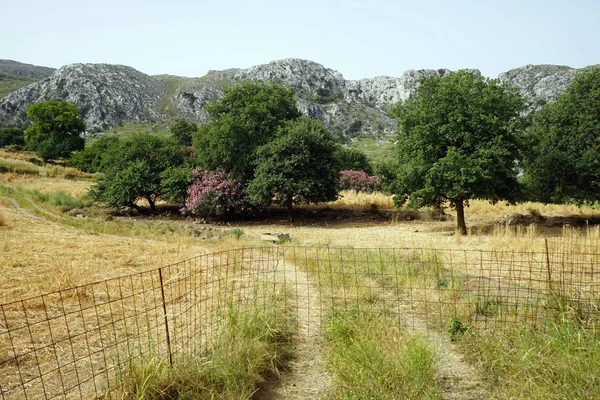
(106, 94)
(110, 95)
(25, 70)
(539, 84)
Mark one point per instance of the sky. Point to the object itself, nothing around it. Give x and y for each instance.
(360, 39)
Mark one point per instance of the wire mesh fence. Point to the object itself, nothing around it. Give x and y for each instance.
(76, 343)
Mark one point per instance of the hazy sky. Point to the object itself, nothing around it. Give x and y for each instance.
(360, 39)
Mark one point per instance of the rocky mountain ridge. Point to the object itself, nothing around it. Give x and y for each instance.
(110, 95)
(26, 70)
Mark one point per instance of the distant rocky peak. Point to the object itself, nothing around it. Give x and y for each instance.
(305, 77)
(382, 91)
(539, 84)
(107, 95)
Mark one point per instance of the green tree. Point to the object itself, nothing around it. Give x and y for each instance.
(457, 141)
(55, 131)
(182, 131)
(12, 137)
(175, 183)
(352, 159)
(297, 167)
(563, 164)
(245, 118)
(95, 155)
(134, 171)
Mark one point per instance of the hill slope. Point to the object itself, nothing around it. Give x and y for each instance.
(25, 70)
(111, 95)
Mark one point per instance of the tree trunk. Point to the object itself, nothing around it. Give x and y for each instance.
(152, 204)
(290, 207)
(460, 216)
(136, 207)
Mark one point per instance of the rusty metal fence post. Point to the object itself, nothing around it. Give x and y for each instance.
(164, 307)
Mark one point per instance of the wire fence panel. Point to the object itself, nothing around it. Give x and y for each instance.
(77, 342)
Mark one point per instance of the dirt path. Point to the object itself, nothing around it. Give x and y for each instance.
(21, 211)
(459, 379)
(306, 377)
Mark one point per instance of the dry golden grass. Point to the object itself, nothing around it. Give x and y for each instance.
(482, 207)
(39, 256)
(20, 155)
(28, 163)
(352, 199)
(46, 184)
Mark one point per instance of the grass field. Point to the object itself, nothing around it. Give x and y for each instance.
(53, 238)
(11, 83)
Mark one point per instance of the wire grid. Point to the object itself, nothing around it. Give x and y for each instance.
(422, 289)
(75, 343)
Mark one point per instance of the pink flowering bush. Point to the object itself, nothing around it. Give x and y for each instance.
(359, 181)
(215, 194)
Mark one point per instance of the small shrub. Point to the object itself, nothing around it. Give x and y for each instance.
(488, 307)
(13, 148)
(534, 212)
(456, 328)
(215, 194)
(236, 233)
(359, 181)
(12, 137)
(66, 202)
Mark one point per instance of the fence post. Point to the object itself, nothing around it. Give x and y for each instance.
(548, 269)
(164, 305)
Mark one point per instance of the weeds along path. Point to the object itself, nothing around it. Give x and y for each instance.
(306, 376)
(459, 379)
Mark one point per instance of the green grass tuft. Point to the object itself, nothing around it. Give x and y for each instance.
(253, 343)
(559, 362)
(373, 359)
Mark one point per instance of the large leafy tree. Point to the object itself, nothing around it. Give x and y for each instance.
(457, 141)
(135, 170)
(182, 131)
(245, 118)
(299, 166)
(563, 163)
(55, 131)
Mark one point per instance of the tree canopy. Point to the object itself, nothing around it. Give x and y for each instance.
(245, 118)
(298, 166)
(563, 163)
(457, 141)
(11, 137)
(55, 129)
(135, 170)
(182, 131)
(352, 159)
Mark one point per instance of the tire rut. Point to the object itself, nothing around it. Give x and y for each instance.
(306, 376)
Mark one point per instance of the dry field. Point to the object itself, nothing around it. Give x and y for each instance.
(44, 249)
